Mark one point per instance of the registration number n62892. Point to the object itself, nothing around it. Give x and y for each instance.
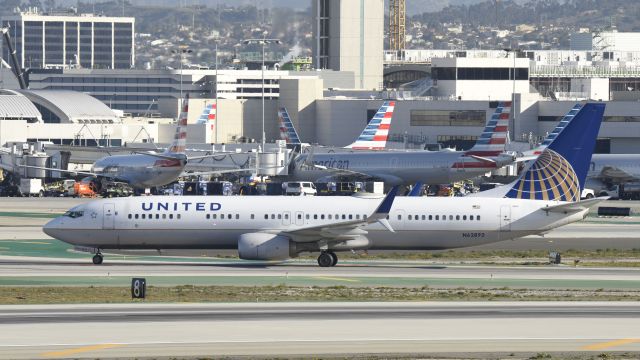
(473, 235)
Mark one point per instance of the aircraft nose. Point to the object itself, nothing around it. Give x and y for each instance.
(53, 228)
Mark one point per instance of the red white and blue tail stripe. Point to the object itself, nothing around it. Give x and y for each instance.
(287, 130)
(180, 138)
(493, 140)
(208, 116)
(374, 136)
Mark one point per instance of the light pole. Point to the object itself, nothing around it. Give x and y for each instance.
(181, 52)
(216, 90)
(262, 42)
(513, 91)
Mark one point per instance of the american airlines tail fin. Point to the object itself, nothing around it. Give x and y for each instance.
(180, 138)
(559, 173)
(552, 135)
(374, 136)
(493, 140)
(287, 130)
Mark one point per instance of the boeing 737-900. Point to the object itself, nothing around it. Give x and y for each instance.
(544, 197)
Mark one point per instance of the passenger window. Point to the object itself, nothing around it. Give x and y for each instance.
(286, 216)
(238, 216)
(424, 218)
(437, 217)
(253, 216)
(471, 217)
(164, 216)
(208, 216)
(464, 217)
(478, 218)
(315, 216)
(179, 216)
(350, 217)
(431, 217)
(229, 216)
(399, 217)
(215, 216)
(307, 216)
(417, 217)
(444, 217)
(329, 216)
(357, 216)
(266, 216)
(144, 216)
(171, 216)
(457, 217)
(279, 216)
(299, 216)
(344, 217)
(451, 217)
(157, 216)
(322, 217)
(409, 217)
(273, 216)
(129, 216)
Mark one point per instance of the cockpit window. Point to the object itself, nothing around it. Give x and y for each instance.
(74, 214)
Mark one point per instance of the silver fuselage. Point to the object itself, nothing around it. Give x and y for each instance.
(396, 167)
(141, 170)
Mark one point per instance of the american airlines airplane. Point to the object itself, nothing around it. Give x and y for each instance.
(150, 169)
(544, 197)
(408, 167)
(373, 137)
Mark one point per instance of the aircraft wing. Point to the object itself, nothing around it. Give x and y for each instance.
(575, 206)
(616, 174)
(73, 172)
(345, 230)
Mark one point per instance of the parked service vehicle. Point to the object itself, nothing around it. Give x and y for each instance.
(31, 187)
(300, 188)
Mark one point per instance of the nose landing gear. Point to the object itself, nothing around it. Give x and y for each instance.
(97, 258)
(327, 259)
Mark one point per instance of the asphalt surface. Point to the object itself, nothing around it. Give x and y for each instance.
(286, 329)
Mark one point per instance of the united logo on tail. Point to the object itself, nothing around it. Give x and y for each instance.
(374, 136)
(559, 173)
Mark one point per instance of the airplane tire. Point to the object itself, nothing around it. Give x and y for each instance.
(97, 259)
(325, 259)
(334, 257)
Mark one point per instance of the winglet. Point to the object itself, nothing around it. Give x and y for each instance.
(381, 213)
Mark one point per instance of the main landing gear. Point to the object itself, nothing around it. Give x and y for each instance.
(327, 259)
(97, 258)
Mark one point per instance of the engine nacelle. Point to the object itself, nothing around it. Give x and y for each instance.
(263, 246)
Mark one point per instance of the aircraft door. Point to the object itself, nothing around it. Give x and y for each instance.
(505, 218)
(108, 216)
(299, 218)
(286, 218)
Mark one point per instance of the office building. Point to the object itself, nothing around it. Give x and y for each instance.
(348, 36)
(71, 40)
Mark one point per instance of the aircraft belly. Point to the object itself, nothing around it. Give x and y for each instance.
(437, 239)
(180, 239)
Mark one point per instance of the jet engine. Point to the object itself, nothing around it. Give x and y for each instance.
(263, 246)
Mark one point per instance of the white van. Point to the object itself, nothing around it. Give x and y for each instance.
(302, 188)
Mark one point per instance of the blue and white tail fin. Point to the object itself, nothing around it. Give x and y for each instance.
(552, 135)
(180, 138)
(375, 134)
(287, 130)
(493, 139)
(559, 173)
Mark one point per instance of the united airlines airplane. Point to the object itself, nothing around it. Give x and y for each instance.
(544, 197)
(409, 167)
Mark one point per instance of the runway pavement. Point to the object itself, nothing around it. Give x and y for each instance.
(29, 271)
(286, 329)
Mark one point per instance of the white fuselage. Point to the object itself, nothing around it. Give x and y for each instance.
(216, 222)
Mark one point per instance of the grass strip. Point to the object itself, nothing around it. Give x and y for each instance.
(282, 293)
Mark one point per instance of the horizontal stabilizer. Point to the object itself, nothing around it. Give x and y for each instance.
(575, 206)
